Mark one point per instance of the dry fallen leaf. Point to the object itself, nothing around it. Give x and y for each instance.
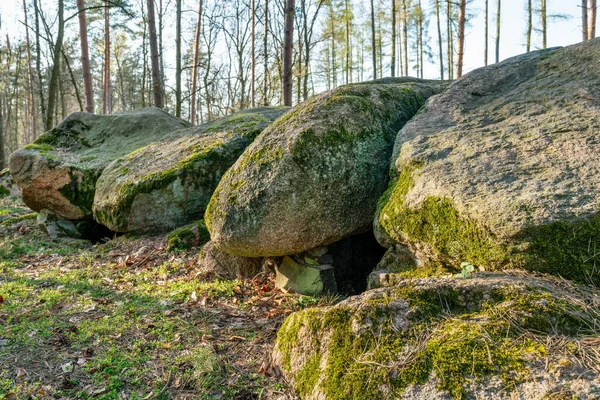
(21, 373)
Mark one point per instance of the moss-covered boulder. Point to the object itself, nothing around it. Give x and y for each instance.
(59, 170)
(8, 187)
(188, 236)
(502, 169)
(169, 183)
(314, 176)
(490, 336)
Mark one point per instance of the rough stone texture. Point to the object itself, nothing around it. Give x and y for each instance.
(502, 169)
(169, 183)
(312, 279)
(56, 226)
(8, 187)
(227, 265)
(59, 170)
(314, 176)
(490, 336)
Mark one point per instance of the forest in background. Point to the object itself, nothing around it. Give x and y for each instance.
(108, 56)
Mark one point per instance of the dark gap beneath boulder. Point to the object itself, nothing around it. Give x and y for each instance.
(94, 232)
(354, 258)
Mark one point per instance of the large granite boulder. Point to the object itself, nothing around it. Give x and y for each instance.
(169, 183)
(314, 176)
(490, 336)
(59, 170)
(503, 169)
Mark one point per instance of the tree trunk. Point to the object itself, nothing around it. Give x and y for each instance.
(544, 25)
(348, 47)
(287, 53)
(584, 19)
(393, 63)
(450, 38)
(373, 44)
(38, 61)
(439, 29)
(266, 55)
(85, 58)
(178, 59)
(405, 33)
(107, 89)
(195, 64)
(592, 17)
(253, 69)
(420, 20)
(2, 154)
(529, 23)
(53, 88)
(498, 15)
(31, 95)
(73, 81)
(487, 23)
(156, 84)
(461, 37)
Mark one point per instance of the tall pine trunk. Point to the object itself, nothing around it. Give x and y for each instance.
(450, 38)
(487, 23)
(178, 59)
(32, 109)
(592, 17)
(38, 61)
(529, 23)
(405, 33)
(288, 43)
(253, 72)
(461, 37)
(543, 12)
(54, 76)
(85, 59)
(195, 63)
(156, 84)
(266, 55)
(373, 44)
(498, 15)
(439, 29)
(393, 63)
(584, 19)
(107, 88)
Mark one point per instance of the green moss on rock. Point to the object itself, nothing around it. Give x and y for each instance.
(189, 236)
(458, 333)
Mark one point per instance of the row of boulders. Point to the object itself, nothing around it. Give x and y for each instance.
(497, 170)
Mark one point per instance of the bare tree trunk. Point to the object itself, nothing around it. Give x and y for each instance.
(38, 61)
(73, 81)
(584, 19)
(544, 25)
(487, 23)
(393, 63)
(156, 83)
(2, 154)
(373, 44)
(53, 88)
(85, 58)
(287, 53)
(405, 32)
(253, 69)
(498, 15)
(348, 48)
(107, 88)
(31, 95)
(529, 24)
(450, 38)
(592, 17)
(196, 61)
(266, 54)
(439, 29)
(178, 59)
(461, 37)
(420, 23)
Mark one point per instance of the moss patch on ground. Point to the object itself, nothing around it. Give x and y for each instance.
(377, 347)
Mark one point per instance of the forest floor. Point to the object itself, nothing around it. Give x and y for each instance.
(126, 319)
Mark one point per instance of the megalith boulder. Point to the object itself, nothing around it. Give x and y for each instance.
(314, 176)
(168, 184)
(503, 169)
(490, 336)
(59, 170)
